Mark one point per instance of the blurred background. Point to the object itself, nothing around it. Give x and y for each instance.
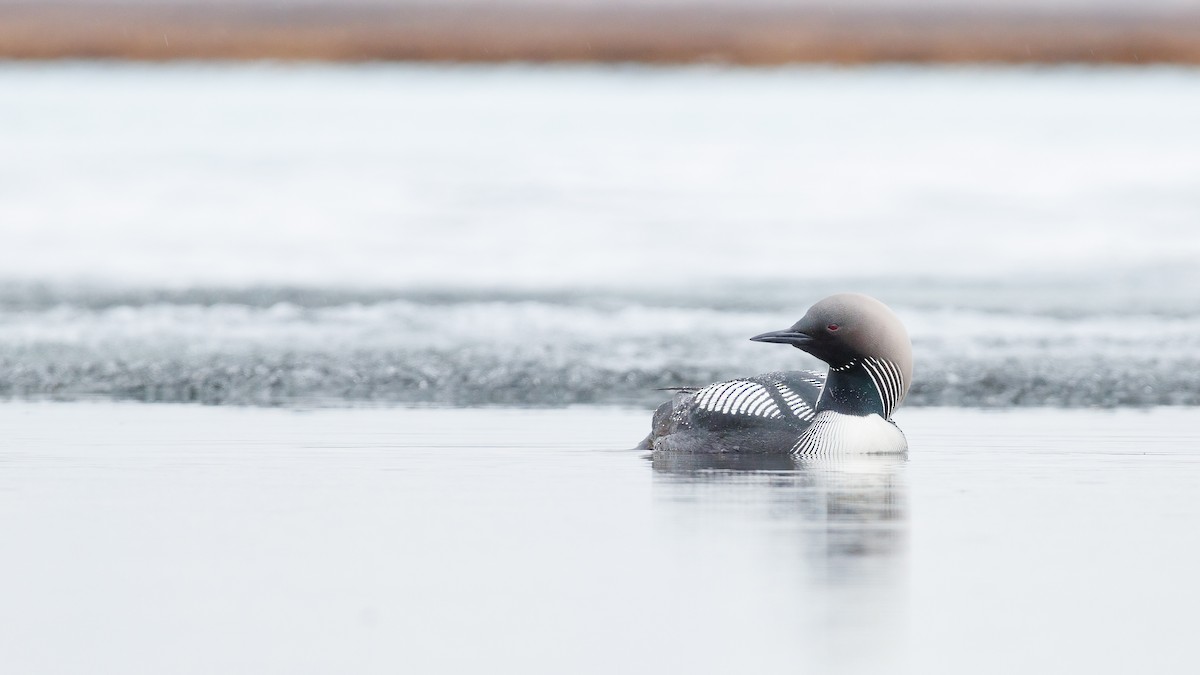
(557, 202)
(751, 32)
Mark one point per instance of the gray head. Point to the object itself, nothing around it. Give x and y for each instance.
(850, 327)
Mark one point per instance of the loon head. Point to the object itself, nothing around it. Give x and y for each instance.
(849, 328)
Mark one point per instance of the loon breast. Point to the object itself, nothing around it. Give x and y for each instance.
(835, 433)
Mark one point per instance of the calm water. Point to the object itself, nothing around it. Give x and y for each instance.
(184, 539)
(514, 234)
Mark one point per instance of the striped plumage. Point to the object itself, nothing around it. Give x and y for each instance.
(888, 381)
(738, 397)
(784, 398)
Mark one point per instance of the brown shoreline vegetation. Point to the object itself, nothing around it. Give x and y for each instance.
(760, 36)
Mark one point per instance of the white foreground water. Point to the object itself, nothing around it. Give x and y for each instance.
(188, 539)
(268, 234)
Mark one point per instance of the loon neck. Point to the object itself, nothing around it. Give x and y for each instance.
(849, 390)
(863, 386)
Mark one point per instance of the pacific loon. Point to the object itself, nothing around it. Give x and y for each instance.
(846, 410)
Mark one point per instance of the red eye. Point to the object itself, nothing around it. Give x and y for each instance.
(832, 327)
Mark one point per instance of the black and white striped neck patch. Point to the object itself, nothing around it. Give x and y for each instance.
(888, 381)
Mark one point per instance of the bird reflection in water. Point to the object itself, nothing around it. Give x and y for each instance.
(826, 537)
(849, 512)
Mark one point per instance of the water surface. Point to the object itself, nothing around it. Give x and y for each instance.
(247, 540)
